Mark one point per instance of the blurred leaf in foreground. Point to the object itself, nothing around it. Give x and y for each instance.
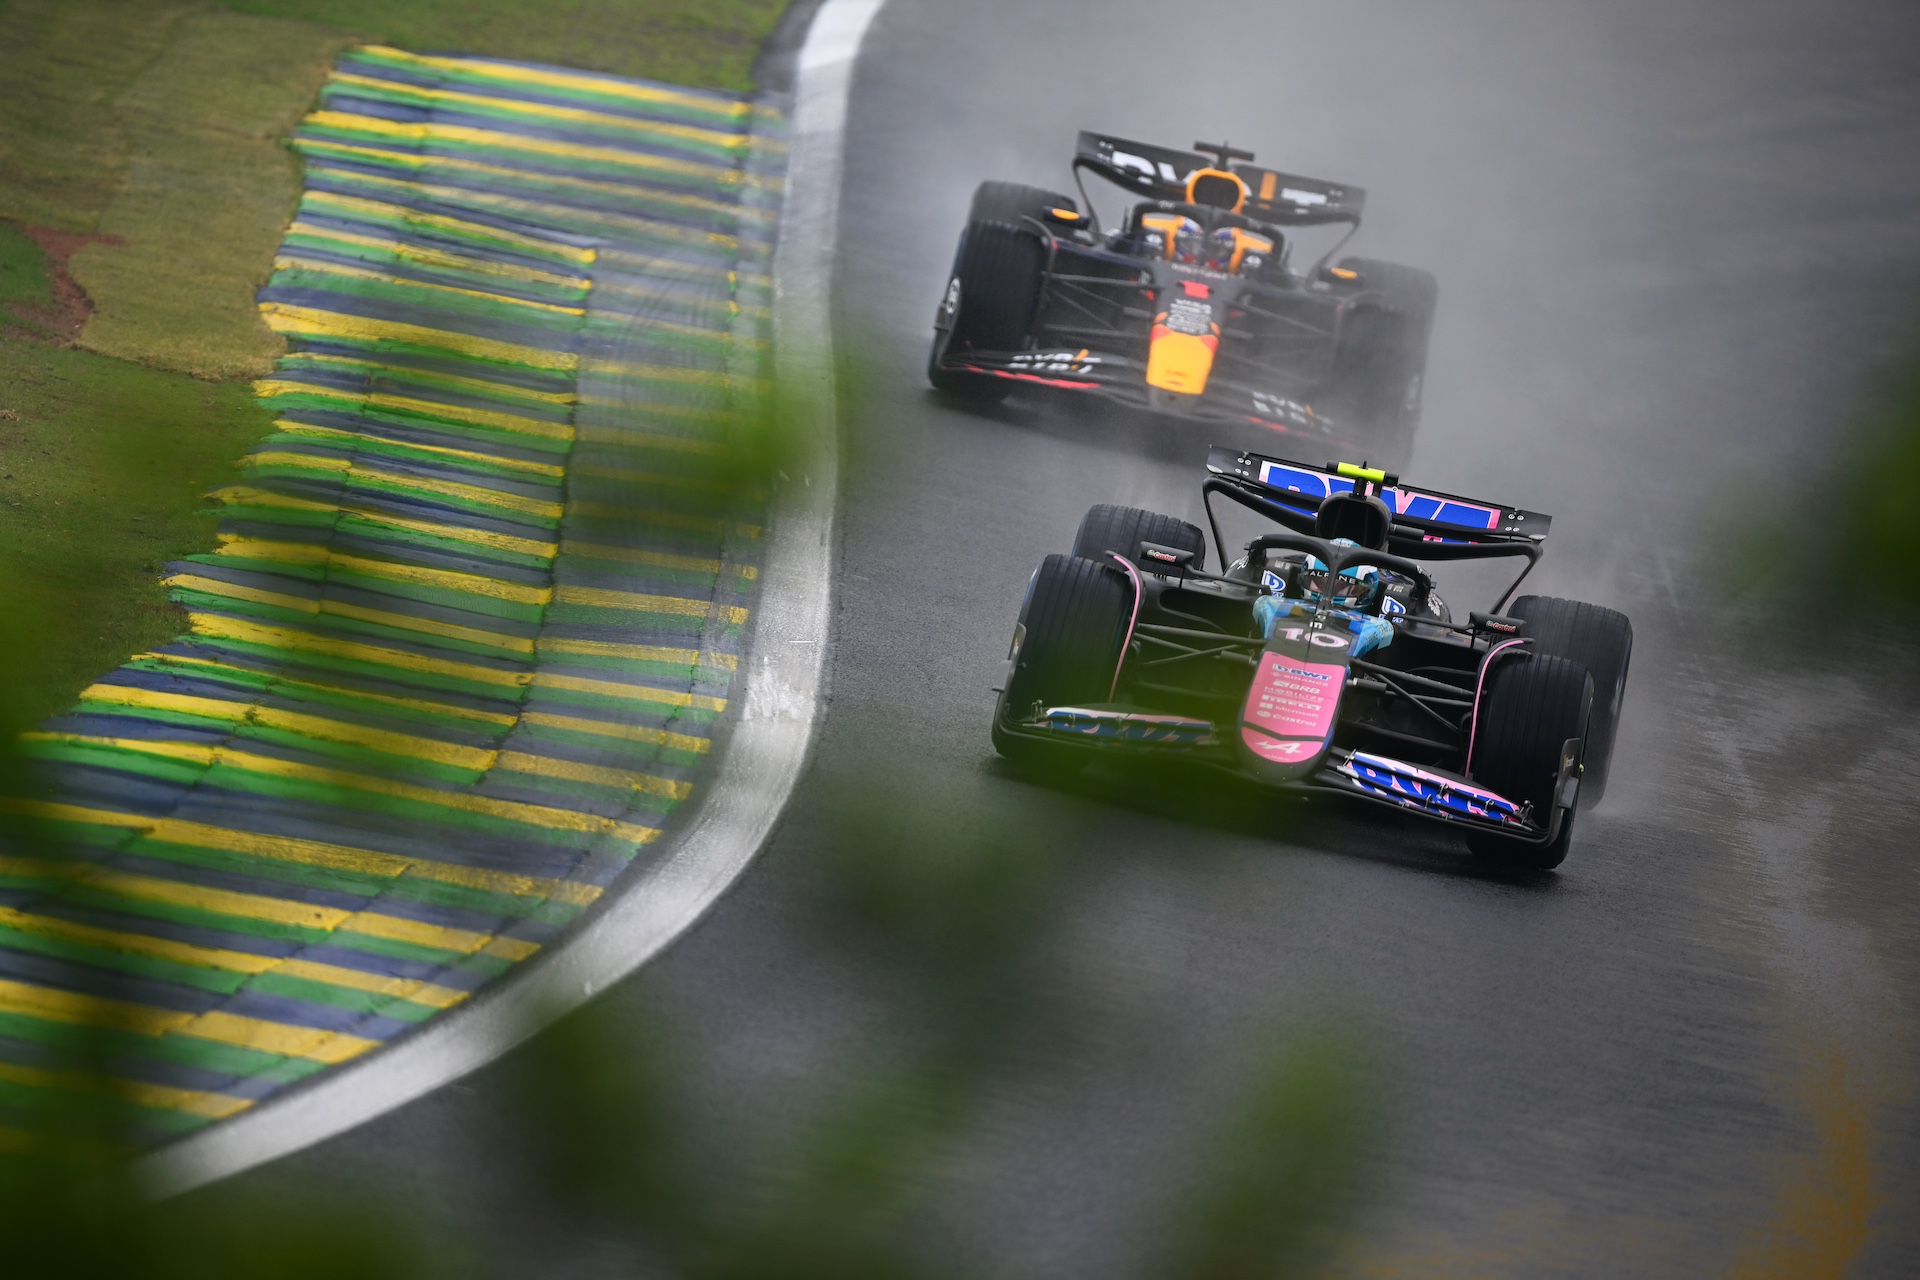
(1285, 1172)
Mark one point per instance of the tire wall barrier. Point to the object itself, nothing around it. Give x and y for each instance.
(475, 612)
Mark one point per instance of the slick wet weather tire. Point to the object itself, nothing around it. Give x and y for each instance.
(1601, 640)
(991, 297)
(1109, 528)
(1074, 628)
(1531, 705)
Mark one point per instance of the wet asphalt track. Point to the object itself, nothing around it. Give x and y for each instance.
(1673, 239)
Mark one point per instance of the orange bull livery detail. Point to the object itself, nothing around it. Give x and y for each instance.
(1183, 341)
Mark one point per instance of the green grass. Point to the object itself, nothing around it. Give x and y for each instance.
(62, 63)
(24, 282)
(102, 464)
(710, 43)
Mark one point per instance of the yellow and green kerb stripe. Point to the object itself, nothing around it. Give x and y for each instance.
(475, 609)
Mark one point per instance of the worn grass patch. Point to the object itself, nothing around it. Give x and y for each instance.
(102, 468)
(710, 43)
(157, 128)
(205, 194)
(62, 64)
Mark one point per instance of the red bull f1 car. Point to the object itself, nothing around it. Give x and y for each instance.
(1322, 658)
(1192, 305)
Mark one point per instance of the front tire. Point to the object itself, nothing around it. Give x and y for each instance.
(1109, 528)
(1012, 201)
(1074, 630)
(1601, 640)
(989, 305)
(1532, 703)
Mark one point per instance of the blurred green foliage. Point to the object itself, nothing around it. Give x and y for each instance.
(65, 1215)
(1288, 1167)
(1864, 498)
(604, 1137)
(1878, 493)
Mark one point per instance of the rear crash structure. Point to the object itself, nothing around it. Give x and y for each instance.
(1322, 659)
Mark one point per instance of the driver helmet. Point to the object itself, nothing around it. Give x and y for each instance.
(1221, 248)
(1353, 588)
(1190, 243)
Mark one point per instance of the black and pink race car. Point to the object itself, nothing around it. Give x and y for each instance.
(1321, 658)
(1193, 305)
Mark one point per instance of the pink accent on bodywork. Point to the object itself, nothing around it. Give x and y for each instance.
(1479, 686)
(1293, 699)
(1138, 592)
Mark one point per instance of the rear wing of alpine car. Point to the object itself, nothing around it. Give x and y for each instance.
(1427, 524)
(1161, 173)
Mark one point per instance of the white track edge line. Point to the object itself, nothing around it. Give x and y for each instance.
(761, 764)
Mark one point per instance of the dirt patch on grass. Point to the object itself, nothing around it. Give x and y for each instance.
(205, 193)
(64, 310)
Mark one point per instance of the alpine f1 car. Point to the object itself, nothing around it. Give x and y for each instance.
(1322, 659)
(1192, 305)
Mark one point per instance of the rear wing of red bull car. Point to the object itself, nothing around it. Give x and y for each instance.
(1162, 173)
(1427, 524)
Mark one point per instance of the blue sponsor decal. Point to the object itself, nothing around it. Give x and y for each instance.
(1405, 502)
(1415, 788)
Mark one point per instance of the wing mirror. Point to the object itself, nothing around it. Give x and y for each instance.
(1496, 623)
(1155, 558)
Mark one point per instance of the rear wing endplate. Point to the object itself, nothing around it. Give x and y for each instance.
(1161, 173)
(1427, 523)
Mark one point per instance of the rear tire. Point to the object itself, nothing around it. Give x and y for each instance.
(1108, 528)
(1076, 617)
(1531, 705)
(989, 305)
(1011, 201)
(1601, 640)
(1380, 367)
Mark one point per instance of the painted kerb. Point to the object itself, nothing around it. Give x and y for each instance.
(782, 691)
(476, 608)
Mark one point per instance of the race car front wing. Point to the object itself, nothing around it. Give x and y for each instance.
(1361, 775)
(1124, 379)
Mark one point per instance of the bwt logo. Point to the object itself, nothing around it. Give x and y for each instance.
(1310, 675)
